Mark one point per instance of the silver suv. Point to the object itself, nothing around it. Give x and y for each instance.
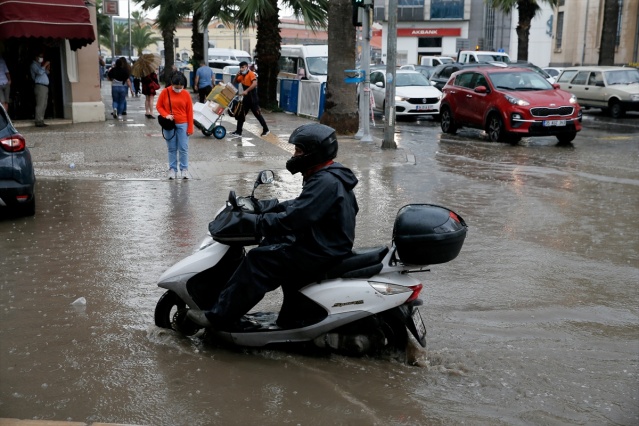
(613, 89)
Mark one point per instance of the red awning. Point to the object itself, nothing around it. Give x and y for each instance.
(58, 19)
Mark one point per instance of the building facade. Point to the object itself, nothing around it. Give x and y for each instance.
(577, 29)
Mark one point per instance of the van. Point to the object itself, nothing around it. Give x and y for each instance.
(304, 61)
(220, 58)
(433, 61)
(476, 56)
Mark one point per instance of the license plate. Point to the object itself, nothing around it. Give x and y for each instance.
(424, 107)
(419, 324)
(549, 123)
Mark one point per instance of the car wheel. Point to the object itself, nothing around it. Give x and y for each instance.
(495, 128)
(566, 138)
(446, 121)
(616, 109)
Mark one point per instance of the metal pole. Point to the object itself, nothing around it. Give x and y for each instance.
(583, 50)
(360, 105)
(391, 60)
(366, 60)
(112, 42)
(130, 46)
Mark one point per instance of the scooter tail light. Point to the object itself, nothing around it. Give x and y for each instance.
(416, 290)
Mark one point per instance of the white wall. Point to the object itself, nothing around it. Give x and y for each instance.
(539, 43)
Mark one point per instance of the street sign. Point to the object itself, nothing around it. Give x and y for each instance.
(111, 7)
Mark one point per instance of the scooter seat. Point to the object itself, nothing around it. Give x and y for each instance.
(363, 263)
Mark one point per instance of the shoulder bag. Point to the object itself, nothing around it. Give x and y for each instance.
(165, 122)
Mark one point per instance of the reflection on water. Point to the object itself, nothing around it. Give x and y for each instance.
(535, 322)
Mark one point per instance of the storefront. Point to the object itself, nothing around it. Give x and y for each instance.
(413, 43)
(64, 31)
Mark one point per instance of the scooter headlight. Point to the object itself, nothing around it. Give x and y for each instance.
(389, 289)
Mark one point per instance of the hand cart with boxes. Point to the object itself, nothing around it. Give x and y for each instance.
(208, 116)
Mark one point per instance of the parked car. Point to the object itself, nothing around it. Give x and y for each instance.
(425, 70)
(17, 178)
(540, 71)
(509, 103)
(442, 73)
(613, 89)
(413, 93)
(553, 71)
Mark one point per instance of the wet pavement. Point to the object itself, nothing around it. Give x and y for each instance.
(536, 321)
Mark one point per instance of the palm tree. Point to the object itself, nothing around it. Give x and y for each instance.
(340, 109)
(609, 36)
(527, 11)
(170, 14)
(142, 34)
(264, 14)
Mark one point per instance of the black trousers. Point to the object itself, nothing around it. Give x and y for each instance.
(250, 103)
(264, 269)
(204, 92)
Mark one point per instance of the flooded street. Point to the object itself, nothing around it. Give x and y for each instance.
(536, 322)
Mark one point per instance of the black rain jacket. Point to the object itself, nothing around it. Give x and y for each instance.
(322, 218)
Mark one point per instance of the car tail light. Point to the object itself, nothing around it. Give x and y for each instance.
(22, 198)
(13, 143)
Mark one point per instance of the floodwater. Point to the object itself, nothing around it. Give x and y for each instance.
(536, 321)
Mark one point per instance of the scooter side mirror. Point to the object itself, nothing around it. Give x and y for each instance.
(265, 176)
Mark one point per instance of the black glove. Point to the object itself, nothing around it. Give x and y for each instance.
(235, 228)
(264, 206)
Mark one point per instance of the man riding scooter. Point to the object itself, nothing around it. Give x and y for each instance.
(303, 237)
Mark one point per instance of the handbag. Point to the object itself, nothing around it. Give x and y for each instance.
(236, 108)
(165, 123)
(153, 85)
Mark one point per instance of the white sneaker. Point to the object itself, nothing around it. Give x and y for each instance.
(185, 174)
(120, 118)
(172, 174)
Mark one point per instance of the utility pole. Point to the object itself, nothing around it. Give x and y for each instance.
(112, 42)
(130, 47)
(391, 60)
(364, 133)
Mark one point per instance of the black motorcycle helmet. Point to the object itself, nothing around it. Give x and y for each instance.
(319, 144)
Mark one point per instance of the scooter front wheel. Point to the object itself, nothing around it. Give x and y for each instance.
(170, 312)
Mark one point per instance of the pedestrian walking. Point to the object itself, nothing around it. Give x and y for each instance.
(5, 84)
(150, 84)
(174, 103)
(248, 80)
(40, 74)
(203, 81)
(119, 76)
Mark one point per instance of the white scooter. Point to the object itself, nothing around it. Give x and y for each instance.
(365, 304)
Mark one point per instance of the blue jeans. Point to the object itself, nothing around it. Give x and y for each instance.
(118, 93)
(177, 140)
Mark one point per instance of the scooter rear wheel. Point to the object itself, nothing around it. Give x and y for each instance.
(170, 312)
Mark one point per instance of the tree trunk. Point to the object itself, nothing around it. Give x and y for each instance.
(197, 41)
(609, 33)
(527, 11)
(169, 52)
(268, 54)
(340, 107)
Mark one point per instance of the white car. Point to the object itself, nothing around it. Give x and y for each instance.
(553, 71)
(414, 95)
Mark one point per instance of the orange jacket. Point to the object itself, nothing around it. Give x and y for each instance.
(181, 105)
(246, 80)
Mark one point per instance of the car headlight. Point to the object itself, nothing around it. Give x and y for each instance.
(516, 101)
(401, 98)
(573, 99)
(634, 98)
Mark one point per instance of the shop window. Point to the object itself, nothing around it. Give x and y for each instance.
(410, 10)
(447, 9)
(429, 42)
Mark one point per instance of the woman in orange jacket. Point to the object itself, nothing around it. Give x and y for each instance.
(175, 104)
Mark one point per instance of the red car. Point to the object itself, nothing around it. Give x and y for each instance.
(509, 103)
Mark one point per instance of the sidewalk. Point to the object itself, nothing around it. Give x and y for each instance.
(18, 422)
(135, 149)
